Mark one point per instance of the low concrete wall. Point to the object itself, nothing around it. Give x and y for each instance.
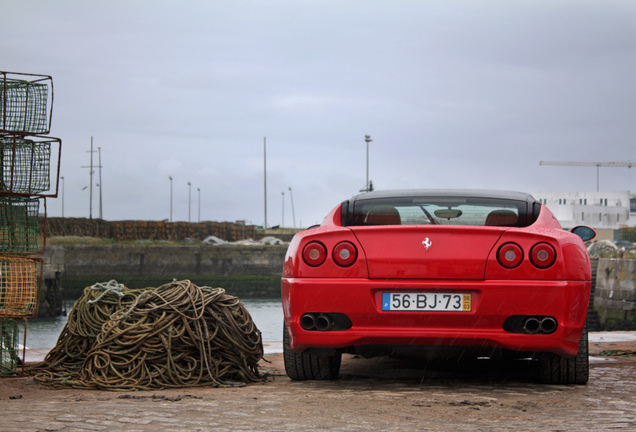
(169, 260)
(615, 296)
(246, 271)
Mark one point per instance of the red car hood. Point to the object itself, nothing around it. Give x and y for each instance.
(417, 252)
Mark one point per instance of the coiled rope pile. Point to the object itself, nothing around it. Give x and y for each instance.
(176, 335)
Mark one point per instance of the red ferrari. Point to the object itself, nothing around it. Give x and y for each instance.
(438, 268)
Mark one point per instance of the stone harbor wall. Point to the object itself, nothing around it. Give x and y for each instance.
(254, 271)
(167, 260)
(246, 271)
(615, 294)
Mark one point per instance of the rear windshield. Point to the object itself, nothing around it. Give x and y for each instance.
(439, 211)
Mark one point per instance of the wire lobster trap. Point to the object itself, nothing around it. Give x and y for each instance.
(26, 103)
(25, 165)
(20, 231)
(8, 345)
(20, 282)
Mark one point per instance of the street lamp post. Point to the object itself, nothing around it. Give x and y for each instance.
(199, 191)
(189, 200)
(292, 205)
(170, 177)
(62, 178)
(367, 139)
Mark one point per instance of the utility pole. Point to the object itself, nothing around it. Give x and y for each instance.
(90, 197)
(101, 186)
(596, 164)
(90, 189)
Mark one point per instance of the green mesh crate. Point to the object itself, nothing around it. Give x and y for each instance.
(20, 282)
(25, 164)
(8, 345)
(19, 225)
(26, 103)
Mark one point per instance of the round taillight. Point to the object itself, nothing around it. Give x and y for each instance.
(542, 255)
(345, 254)
(314, 254)
(510, 255)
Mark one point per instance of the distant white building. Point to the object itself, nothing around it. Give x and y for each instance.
(603, 211)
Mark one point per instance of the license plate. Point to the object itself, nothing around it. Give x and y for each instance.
(419, 301)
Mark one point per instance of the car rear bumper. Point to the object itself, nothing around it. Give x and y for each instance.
(492, 303)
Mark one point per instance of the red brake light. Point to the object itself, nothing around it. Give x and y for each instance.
(314, 254)
(510, 255)
(345, 254)
(542, 255)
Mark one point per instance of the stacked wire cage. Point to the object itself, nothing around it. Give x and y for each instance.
(27, 159)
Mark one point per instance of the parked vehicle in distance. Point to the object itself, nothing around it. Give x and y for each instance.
(625, 244)
(391, 270)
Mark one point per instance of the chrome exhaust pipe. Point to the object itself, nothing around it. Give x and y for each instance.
(531, 325)
(324, 322)
(548, 325)
(308, 322)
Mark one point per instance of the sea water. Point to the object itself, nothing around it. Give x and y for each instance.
(44, 332)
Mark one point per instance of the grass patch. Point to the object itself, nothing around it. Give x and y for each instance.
(619, 321)
(75, 240)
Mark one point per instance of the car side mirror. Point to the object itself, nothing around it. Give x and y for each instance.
(586, 233)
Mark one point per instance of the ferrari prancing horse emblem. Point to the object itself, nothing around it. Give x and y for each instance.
(427, 243)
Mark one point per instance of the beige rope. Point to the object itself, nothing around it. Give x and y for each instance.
(176, 335)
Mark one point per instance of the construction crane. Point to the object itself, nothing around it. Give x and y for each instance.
(596, 164)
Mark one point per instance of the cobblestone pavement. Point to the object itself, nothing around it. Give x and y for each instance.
(372, 394)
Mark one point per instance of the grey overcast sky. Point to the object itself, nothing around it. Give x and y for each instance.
(455, 94)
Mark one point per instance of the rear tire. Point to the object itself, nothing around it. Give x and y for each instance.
(307, 366)
(558, 370)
